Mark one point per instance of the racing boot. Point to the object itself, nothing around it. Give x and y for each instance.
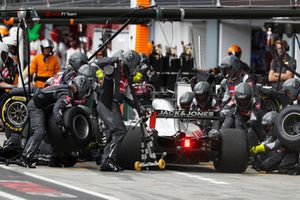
(110, 165)
(25, 162)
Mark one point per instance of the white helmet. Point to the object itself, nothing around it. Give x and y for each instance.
(13, 31)
(3, 53)
(10, 40)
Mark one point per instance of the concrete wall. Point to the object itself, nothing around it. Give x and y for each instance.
(235, 34)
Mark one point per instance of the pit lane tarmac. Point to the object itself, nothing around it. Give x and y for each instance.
(85, 181)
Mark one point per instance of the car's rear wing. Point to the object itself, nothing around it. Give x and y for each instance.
(187, 114)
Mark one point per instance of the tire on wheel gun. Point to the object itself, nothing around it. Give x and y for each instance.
(287, 127)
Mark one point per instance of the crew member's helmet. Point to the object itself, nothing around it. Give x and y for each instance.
(186, 99)
(268, 121)
(202, 92)
(83, 86)
(291, 87)
(230, 66)
(47, 44)
(243, 95)
(235, 50)
(78, 59)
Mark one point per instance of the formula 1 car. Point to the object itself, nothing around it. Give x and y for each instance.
(188, 137)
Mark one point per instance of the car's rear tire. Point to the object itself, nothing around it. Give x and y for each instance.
(233, 155)
(130, 150)
(287, 127)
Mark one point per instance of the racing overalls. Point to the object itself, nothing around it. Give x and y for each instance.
(60, 96)
(112, 118)
(276, 157)
(44, 68)
(9, 74)
(64, 76)
(247, 118)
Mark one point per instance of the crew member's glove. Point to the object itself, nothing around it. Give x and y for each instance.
(257, 149)
(137, 77)
(100, 74)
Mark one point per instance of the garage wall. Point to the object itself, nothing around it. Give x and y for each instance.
(171, 34)
(235, 34)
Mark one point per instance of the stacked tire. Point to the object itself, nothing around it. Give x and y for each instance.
(287, 127)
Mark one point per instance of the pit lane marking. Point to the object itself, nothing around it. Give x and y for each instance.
(10, 196)
(71, 186)
(201, 178)
(97, 194)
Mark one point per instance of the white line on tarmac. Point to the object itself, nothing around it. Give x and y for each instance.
(201, 178)
(104, 196)
(10, 196)
(71, 186)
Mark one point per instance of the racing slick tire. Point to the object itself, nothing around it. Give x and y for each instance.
(287, 127)
(15, 113)
(78, 122)
(233, 155)
(78, 131)
(130, 150)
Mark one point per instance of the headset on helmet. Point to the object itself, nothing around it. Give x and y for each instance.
(83, 86)
(202, 91)
(132, 60)
(243, 94)
(235, 50)
(11, 42)
(78, 59)
(230, 66)
(47, 44)
(144, 59)
(186, 99)
(291, 86)
(89, 71)
(269, 118)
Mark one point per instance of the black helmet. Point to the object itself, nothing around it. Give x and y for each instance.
(83, 86)
(243, 94)
(89, 71)
(132, 60)
(230, 65)
(268, 122)
(186, 99)
(78, 59)
(291, 87)
(47, 44)
(144, 59)
(119, 54)
(202, 91)
(269, 118)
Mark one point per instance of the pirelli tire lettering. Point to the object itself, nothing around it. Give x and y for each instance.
(14, 113)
